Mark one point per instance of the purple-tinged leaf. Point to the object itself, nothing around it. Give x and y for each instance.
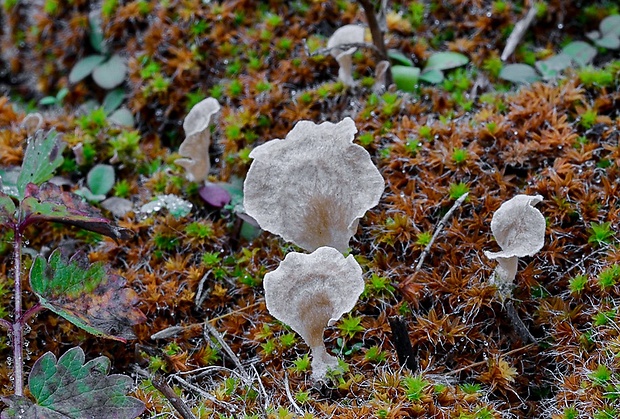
(50, 203)
(68, 388)
(87, 295)
(7, 211)
(42, 158)
(214, 195)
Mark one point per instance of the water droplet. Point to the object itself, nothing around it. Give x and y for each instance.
(489, 14)
(560, 26)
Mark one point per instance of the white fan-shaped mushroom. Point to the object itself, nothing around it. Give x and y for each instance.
(195, 147)
(519, 229)
(312, 291)
(312, 187)
(348, 34)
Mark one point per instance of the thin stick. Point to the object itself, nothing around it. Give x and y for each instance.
(518, 32)
(377, 36)
(159, 382)
(521, 329)
(208, 329)
(290, 396)
(440, 226)
(200, 294)
(477, 364)
(189, 386)
(262, 388)
(18, 325)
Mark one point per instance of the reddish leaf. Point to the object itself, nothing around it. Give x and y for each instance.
(87, 295)
(214, 195)
(50, 203)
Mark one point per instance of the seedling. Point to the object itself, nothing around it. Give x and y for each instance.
(99, 181)
(600, 233)
(88, 295)
(55, 100)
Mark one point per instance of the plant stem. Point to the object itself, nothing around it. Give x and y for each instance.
(377, 37)
(32, 311)
(18, 324)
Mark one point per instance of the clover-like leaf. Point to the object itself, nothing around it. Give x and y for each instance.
(50, 203)
(87, 295)
(68, 388)
(42, 158)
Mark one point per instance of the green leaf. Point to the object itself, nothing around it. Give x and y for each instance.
(445, 61)
(87, 295)
(62, 94)
(48, 100)
(406, 78)
(68, 388)
(432, 76)
(88, 195)
(610, 25)
(101, 179)
(111, 73)
(123, 117)
(113, 100)
(400, 58)
(580, 52)
(95, 36)
(608, 41)
(519, 73)
(50, 203)
(553, 66)
(43, 156)
(84, 67)
(7, 210)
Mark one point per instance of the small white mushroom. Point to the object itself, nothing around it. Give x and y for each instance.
(195, 147)
(309, 292)
(312, 187)
(348, 34)
(519, 229)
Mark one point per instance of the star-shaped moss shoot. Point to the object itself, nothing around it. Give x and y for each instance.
(348, 34)
(519, 229)
(311, 292)
(312, 187)
(195, 147)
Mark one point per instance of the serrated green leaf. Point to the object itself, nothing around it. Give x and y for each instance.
(87, 295)
(50, 203)
(7, 210)
(113, 100)
(445, 61)
(610, 25)
(405, 78)
(68, 388)
(100, 179)
(580, 52)
(553, 66)
(84, 67)
(43, 156)
(432, 76)
(111, 73)
(519, 73)
(400, 58)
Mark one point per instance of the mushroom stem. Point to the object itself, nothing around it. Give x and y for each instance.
(504, 276)
(321, 361)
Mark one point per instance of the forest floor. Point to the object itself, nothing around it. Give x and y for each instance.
(473, 132)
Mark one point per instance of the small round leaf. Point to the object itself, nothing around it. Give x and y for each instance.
(399, 58)
(432, 76)
(610, 25)
(113, 100)
(519, 73)
(406, 78)
(445, 61)
(100, 179)
(123, 117)
(580, 52)
(111, 73)
(85, 67)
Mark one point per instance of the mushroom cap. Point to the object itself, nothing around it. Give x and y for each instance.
(311, 291)
(312, 187)
(195, 147)
(518, 227)
(347, 34)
